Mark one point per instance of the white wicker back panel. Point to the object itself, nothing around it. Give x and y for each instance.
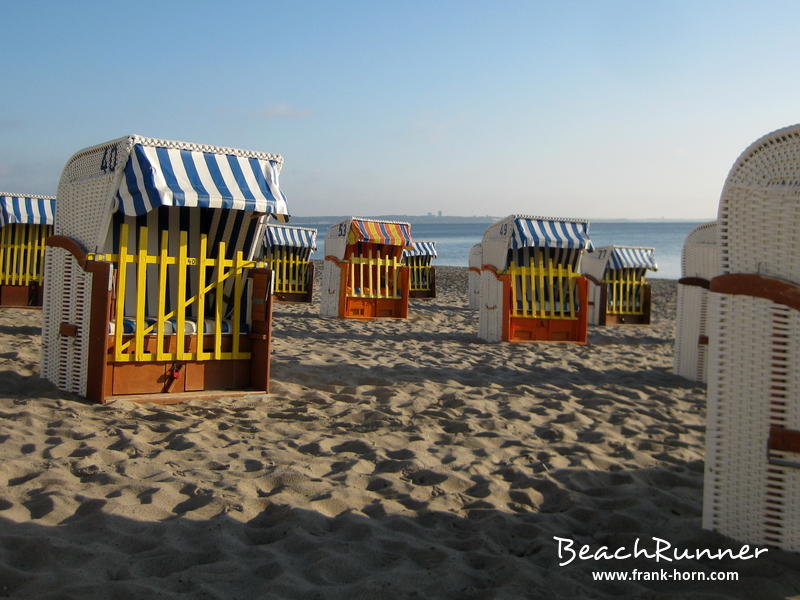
(473, 278)
(759, 211)
(594, 303)
(329, 290)
(491, 308)
(700, 260)
(689, 359)
(474, 289)
(67, 298)
(745, 497)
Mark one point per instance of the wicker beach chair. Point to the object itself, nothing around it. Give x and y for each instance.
(752, 477)
(364, 276)
(287, 252)
(474, 276)
(26, 221)
(421, 273)
(531, 288)
(152, 283)
(699, 264)
(618, 288)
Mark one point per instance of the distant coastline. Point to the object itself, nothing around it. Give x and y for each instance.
(450, 219)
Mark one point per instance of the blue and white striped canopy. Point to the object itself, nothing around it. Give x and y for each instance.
(30, 210)
(293, 237)
(422, 249)
(546, 233)
(157, 176)
(632, 257)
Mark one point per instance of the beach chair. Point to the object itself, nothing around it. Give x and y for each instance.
(421, 274)
(26, 221)
(364, 275)
(699, 264)
(153, 292)
(287, 252)
(474, 276)
(531, 288)
(618, 288)
(752, 467)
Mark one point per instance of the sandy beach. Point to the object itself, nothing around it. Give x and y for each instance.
(393, 459)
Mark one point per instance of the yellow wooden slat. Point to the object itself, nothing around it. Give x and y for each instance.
(3, 253)
(220, 262)
(201, 298)
(141, 280)
(15, 260)
(571, 292)
(180, 304)
(161, 318)
(34, 260)
(237, 304)
(120, 297)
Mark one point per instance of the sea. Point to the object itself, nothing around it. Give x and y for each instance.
(453, 240)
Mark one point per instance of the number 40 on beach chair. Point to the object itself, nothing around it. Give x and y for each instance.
(153, 288)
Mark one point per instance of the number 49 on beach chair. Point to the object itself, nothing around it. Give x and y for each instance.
(155, 290)
(26, 222)
(531, 288)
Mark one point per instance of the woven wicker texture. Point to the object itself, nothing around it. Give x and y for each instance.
(700, 254)
(754, 367)
(759, 211)
(67, 299)
(474, 277)
(699, 258)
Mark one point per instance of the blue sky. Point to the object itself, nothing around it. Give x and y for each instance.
(581, 109)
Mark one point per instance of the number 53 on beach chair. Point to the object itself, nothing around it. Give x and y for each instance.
(530, 283)
(155, 289)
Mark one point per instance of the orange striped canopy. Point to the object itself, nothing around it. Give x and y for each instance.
(380, 232)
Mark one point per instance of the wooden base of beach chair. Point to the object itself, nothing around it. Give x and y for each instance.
(122, 379)
(529, 329)
(375, 308)
(546, 330)
(21, 296)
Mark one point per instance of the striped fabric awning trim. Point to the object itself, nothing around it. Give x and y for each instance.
(28, 209)
(293, 237)
(380, 232)
(632, 257)
(158, 176)
(422, 249)
(550, 233)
